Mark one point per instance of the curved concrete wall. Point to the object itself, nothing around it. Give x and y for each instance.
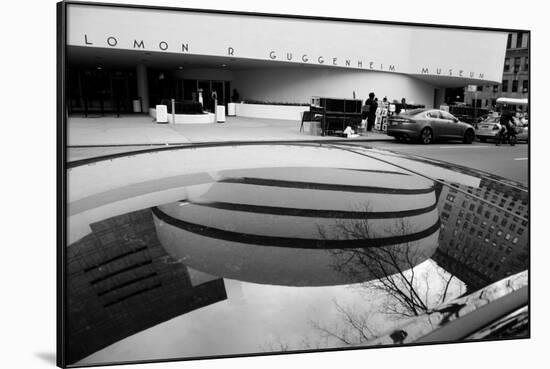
(331, 44)
(297, 85)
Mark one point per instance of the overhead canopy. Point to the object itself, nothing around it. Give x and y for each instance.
(512, 101)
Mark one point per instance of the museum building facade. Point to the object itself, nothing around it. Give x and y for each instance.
(119, 55)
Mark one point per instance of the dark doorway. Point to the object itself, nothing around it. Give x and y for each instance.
(454, 95)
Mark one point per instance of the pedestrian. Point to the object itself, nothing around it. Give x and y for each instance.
(235, 97)
(403, 105)
(371, 105)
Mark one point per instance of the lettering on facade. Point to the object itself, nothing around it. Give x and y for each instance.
(461, 72)
(111, 41)
(139, 44)
(163, 45)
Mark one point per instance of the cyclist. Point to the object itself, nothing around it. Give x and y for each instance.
(507, 126)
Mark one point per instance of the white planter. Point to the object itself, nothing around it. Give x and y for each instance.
(220, 113)
(161, 114)
(136, 105)
(231, 109)
(205, 118)
(284, 112)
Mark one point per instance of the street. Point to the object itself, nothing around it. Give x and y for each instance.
(511, 162)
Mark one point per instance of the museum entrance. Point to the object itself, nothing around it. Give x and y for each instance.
(99, 91)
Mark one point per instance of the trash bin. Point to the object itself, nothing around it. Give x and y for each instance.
(162, 113)
(220, 114)
(231, 109)
(136, 105)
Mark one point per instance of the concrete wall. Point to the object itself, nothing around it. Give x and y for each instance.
(297, 85)
(334, 45)
(270, 111)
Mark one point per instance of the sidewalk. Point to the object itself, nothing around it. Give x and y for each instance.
(105, 135)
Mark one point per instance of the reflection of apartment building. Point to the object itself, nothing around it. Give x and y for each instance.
(479, 243)
(515, 76)
(120, 281)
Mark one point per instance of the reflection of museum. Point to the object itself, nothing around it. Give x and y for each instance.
(120, 281)
(479, 243)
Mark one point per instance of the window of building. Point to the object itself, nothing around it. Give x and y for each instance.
(444, 216)
(507, 237)
(504, 222)
(447, 207)
(495, 88)
(476, 220)
(515, 240)
(515, 85)
(499, 233)
(505, 85)
(469, 216)
(519, 40)
(520, 231)
(509, 42)
(507, 64)
(479, 88)
(484, 224)
(517, 65)
(526, 65)
(525, 88)
(472, 207)
(512, 226)
(451, 198)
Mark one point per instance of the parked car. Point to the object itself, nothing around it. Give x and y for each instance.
(489, 128)
(428, 125)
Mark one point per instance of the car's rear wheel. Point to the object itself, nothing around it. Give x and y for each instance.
(469, 137)
(426, 136)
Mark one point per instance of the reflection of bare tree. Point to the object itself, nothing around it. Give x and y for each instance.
(406, 292)
(391, 268)
(354, 329)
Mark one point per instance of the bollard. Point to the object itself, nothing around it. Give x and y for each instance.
(173, 111)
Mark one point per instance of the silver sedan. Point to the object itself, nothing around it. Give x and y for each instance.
(427, 125)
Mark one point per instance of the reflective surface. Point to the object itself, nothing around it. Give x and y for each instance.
(262, 258)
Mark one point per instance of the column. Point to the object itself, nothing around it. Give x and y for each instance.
(142, 87)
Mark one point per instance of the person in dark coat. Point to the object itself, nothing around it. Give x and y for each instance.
(371, 106)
